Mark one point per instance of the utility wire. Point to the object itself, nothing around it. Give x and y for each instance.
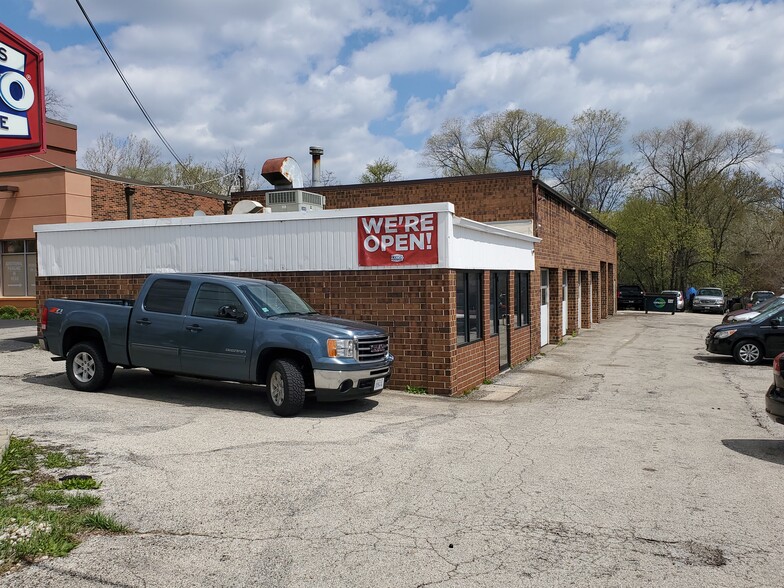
(127, 85)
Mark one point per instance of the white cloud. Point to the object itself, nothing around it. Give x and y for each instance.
(274, 78)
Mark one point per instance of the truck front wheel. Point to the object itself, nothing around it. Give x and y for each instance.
(87, 367)
(285, 388)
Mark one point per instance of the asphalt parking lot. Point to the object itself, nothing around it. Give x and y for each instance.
(629, 457)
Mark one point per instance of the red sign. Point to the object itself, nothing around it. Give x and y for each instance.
(22, 114)
(405, 239)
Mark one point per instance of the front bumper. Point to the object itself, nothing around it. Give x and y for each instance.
(774, 404)
(337, 385)
(719, 346)
(708, 307)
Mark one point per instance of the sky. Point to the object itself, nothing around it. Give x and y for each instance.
(366, 79)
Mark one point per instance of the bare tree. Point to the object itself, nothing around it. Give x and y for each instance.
(456, 150)
(593, 174)
(56, 106)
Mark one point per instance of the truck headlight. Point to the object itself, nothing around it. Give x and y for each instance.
(342, 348)
(725, 334)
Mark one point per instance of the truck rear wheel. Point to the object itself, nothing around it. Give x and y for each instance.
(87, 367)
(285, 388)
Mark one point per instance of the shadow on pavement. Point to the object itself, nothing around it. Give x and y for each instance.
(771, 450)
(140, 384)
(727, 359)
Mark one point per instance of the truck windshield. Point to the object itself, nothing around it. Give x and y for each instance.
(275, 299)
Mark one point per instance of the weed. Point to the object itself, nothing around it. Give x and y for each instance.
(58, 459)
(97, 520)
(416, 390)
(487, 381)
(41, 516)
(79, 483)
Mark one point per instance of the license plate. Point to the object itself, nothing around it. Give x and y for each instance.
(378, 384)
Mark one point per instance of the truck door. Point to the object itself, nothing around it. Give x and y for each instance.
(156, 326)
(218, 335)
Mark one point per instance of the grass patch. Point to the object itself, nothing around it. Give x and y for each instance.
(487, 381)
(416, 390)
(40, 515)
(59, 460)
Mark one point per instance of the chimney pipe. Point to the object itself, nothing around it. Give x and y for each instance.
(316, 153)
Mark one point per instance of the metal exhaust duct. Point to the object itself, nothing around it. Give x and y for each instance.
(316, 153)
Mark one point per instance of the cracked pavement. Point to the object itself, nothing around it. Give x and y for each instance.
(630, 457)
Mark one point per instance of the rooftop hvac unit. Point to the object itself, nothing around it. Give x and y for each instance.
(294, 201)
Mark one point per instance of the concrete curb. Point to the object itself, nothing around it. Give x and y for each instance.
(5, 437)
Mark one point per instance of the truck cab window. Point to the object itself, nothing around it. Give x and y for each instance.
(212, 298)
(167, 296)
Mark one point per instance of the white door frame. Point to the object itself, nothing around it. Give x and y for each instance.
(544, 292)
(565, 303)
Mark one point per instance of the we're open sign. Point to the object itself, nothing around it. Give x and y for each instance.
(405, 239)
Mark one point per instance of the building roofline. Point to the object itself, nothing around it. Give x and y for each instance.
(576, 209)
(116, 179)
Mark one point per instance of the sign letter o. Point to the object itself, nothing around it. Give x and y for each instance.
(7, 81)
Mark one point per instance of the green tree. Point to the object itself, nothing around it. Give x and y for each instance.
(380, 170)
(680, 169)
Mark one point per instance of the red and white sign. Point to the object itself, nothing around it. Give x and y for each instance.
(404, 239)
(22, 113)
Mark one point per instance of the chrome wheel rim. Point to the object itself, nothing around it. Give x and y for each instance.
(749, 353)
(277, 388)
(84, 367)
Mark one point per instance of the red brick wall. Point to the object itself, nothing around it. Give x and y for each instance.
(109, 202)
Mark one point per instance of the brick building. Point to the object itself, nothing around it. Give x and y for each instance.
(575, 276)
(36, 190)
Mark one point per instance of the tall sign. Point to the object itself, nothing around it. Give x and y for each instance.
(22, 113)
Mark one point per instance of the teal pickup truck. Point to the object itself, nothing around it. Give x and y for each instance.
(222, 328)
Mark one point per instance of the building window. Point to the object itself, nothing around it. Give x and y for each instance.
(522, 312)
(18, 267)
(469, 307)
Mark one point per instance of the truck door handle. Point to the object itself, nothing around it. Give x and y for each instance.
(193, 328)
(144, 321)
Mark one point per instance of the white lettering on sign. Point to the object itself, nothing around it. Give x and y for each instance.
(16, 92)
(408, 239)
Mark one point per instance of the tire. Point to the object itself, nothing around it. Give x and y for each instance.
(748, 352)
(87, 367)
(285, 388)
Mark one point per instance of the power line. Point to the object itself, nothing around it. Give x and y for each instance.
(127, 85)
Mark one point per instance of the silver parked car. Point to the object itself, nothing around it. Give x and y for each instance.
(709, 300)
(680, 302)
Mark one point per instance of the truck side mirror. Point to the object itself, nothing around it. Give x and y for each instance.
(232, 312)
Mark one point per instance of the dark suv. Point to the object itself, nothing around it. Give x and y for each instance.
(631, 297)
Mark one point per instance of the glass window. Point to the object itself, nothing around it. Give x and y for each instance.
(211, 298)
(522, 283)
(167, 296)
(469, 306)
(17, 267)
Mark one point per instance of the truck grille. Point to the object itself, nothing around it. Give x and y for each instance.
(372, 348)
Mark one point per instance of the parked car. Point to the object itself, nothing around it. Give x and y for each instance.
(631, 296)
(220, 328)
(680, 302)
(760, 296)
(745, 314)
(774, 399)
(709, 300)
(750, 341)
